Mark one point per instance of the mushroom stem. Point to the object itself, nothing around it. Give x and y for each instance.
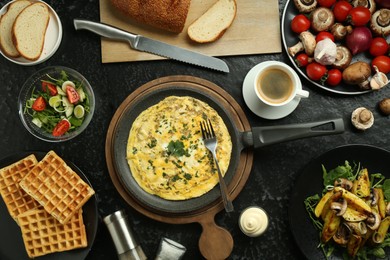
(305, 6)
(321, 19)
(370, 4)
(380, 22)
(339, 31)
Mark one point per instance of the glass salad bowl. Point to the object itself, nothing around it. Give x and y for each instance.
(56, 104)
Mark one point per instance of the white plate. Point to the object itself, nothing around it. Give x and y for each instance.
(53, 38)
(258, 107)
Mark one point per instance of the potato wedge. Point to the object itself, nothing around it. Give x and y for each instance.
(354, 244)
(351, 214)
(354, 201)
(331, 224)
(361, 186)
(381, 203)
(321, 203)
(379, 235)
(336, 195)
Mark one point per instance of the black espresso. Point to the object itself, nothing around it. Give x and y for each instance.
(274, 86)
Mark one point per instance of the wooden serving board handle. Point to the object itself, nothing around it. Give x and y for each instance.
(215, 242)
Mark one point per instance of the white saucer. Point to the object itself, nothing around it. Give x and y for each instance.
(260, 108)
(53, 38)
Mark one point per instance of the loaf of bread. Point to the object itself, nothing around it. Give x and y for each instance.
(168, 15)
(29, 30)
(6, 23)
(214, 22)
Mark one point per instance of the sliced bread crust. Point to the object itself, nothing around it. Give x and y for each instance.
(29, 30)
(214, 22)
(6, 23)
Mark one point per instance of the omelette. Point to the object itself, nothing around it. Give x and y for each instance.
(166, 153)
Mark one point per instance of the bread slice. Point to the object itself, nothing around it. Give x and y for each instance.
(6, 23)
(214, 22)
(29, 30)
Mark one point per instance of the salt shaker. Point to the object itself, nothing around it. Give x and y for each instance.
(253, 221)
(126, 244)
(170, 250)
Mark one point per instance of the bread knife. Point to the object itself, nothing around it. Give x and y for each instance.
(145, 44)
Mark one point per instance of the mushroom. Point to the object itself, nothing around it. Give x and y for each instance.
(339, 31)
(370, 4)
(380, 22)
(343, 58)
(321, 19)
(342, 234)
(343, 183)
(339, 206)
(357, 74)
(325, 52)
(388, 209)
(379, 80)
(362, 118)
(384, 106)
(359, 228)
(305, 6)
(374, 197)
(307, 43)
(373, 220)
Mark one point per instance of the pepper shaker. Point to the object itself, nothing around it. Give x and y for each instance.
(126, 244)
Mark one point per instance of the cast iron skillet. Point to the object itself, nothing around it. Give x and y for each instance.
(11, 242)
(258, 137)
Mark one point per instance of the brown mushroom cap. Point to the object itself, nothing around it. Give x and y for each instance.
(357, 74)
(321, 19)
(380, 22)
(384, 106)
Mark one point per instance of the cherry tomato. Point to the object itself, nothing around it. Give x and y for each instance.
(323, 35)
(39, 104)
(300, 23)
(326, 3)
(48, 87)
(302, 60)
(334, 77)
(379, 46)
(382, 63)
(359, 16)
(341, 10)
(73, 95)
(61, 128)
(315, 71)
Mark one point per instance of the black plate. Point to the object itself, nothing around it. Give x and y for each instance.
(290, 38)
(120, 138)
(310, 182)
(11, 242)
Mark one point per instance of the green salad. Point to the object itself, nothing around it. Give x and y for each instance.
(58, 105)
(352, 214)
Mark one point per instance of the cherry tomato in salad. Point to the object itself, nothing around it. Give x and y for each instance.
(61, 128)
(49, 88)
(334, 77)
(300, 23)
(359, 16)
(72, 94)
(379, 46)
(315, 71)
(326, 3)
(382, 63)
(302, 59)
(39, 104)
(323, 35)
(341, 10)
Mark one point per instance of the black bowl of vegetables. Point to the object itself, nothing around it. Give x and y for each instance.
(56, 104)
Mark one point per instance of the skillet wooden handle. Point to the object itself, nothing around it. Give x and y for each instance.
(215, 242)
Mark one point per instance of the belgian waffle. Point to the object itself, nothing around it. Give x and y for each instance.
(56, 187)
(15, 198)
(43, 234)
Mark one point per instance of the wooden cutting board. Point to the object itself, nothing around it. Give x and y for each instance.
(255, 30)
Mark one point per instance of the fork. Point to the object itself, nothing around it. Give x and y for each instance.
(210, 141)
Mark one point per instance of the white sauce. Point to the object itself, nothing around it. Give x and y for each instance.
(253, 221)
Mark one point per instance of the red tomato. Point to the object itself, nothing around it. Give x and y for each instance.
(323, 35)
(359, 16)
(382, 63)
(72, 94)
(334, 77)
(300, 23)
(379, 46)
(39, 104)
(341, 10)
(61, 128)
(302, 60)
(315, 71)
(326, 3)
(48, 87)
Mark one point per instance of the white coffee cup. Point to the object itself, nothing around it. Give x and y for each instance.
(276, 84)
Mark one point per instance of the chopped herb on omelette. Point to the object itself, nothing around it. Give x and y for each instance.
(166, 153)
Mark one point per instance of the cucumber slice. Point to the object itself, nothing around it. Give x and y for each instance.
(60, 92)
(69, 111)
(37, 122)
(81, 94)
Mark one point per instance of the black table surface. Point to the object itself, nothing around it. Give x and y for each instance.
(275, 167)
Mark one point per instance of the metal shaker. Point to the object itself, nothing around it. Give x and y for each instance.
(126, 244)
